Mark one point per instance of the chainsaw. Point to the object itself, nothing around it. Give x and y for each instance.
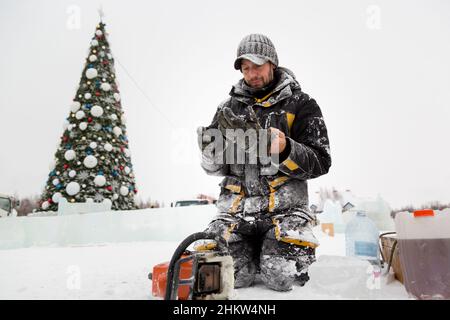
(207, 273)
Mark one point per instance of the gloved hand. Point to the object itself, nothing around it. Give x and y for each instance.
(210, 142)
(228, 120)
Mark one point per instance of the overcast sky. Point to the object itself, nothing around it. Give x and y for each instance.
(379, 70)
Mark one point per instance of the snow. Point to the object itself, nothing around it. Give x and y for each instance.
(90, 263)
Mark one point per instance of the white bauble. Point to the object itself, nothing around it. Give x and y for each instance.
(69, 155)
(45, 205)
(108, 147)
(87, 96)
(93, 145)
(80, 115)
(124, 191)
(115, 196)
(117, 96)
(109, 56)
(97, 111)
(123, 118)
(83, 126)
(127, 152)
(94, 43)
(91, 73)
(100, 181)
(114, 117)
(90, 161)
(72, 173)
(75, 106)
(73, 188)
(56, 197)
(55, 182)
(105, 86)
(98, 32)
(92, 58)
(127, 170)
(102, 54)
(117, 131)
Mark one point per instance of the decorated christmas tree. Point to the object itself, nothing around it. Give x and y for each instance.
(93, 160)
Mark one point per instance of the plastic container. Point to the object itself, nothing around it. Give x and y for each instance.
(424, 243)
(361, 239)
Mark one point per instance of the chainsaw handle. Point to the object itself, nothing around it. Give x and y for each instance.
(221, 245)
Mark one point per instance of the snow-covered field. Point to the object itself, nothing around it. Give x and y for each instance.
(119, 270)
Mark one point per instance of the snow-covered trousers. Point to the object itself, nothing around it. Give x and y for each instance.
(279, 247)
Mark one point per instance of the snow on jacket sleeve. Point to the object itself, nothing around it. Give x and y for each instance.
(307, 153)
(208, 162)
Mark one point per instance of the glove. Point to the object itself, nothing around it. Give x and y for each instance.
(228, 120)
(210, 143)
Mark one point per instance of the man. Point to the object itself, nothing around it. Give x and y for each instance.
(263, 208)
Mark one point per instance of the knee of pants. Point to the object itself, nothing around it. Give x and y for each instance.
(278, 272)
(244, 261)
(303, 255)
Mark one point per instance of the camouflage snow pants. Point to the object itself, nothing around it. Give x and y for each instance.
(279, 247)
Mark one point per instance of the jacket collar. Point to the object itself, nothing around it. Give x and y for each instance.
(282, 90)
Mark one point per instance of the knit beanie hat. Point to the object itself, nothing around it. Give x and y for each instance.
(258, 49)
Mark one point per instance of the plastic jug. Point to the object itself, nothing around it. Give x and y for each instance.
(424, 248)
(361, 238)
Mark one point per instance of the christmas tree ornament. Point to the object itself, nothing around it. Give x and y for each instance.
(114, 117)
(55, 182)
(100, 181)
(108, 147)
(117, 131)
(72, 188)
(69, 155)
(72, 173)
(93, 145)
(45, 205)
(117, 96)
(80, 115)
(75, 106)
(92, 58)
(82, 126)
(91, 73)
(94, 43)
(56, 197)
(124, 191)
(98, 32)
(97, 111)
(105, 86)
(87, 96)
(90, 162)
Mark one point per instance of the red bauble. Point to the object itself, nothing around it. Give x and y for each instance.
(65, 138)
(89, 119)
(121, 167)
(66, 166)
(109, 188)
(50, 200)
(97, 93)
(135, 190)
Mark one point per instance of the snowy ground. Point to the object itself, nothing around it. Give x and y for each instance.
(119, 271)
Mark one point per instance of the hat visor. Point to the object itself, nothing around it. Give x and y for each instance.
(256, 59)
